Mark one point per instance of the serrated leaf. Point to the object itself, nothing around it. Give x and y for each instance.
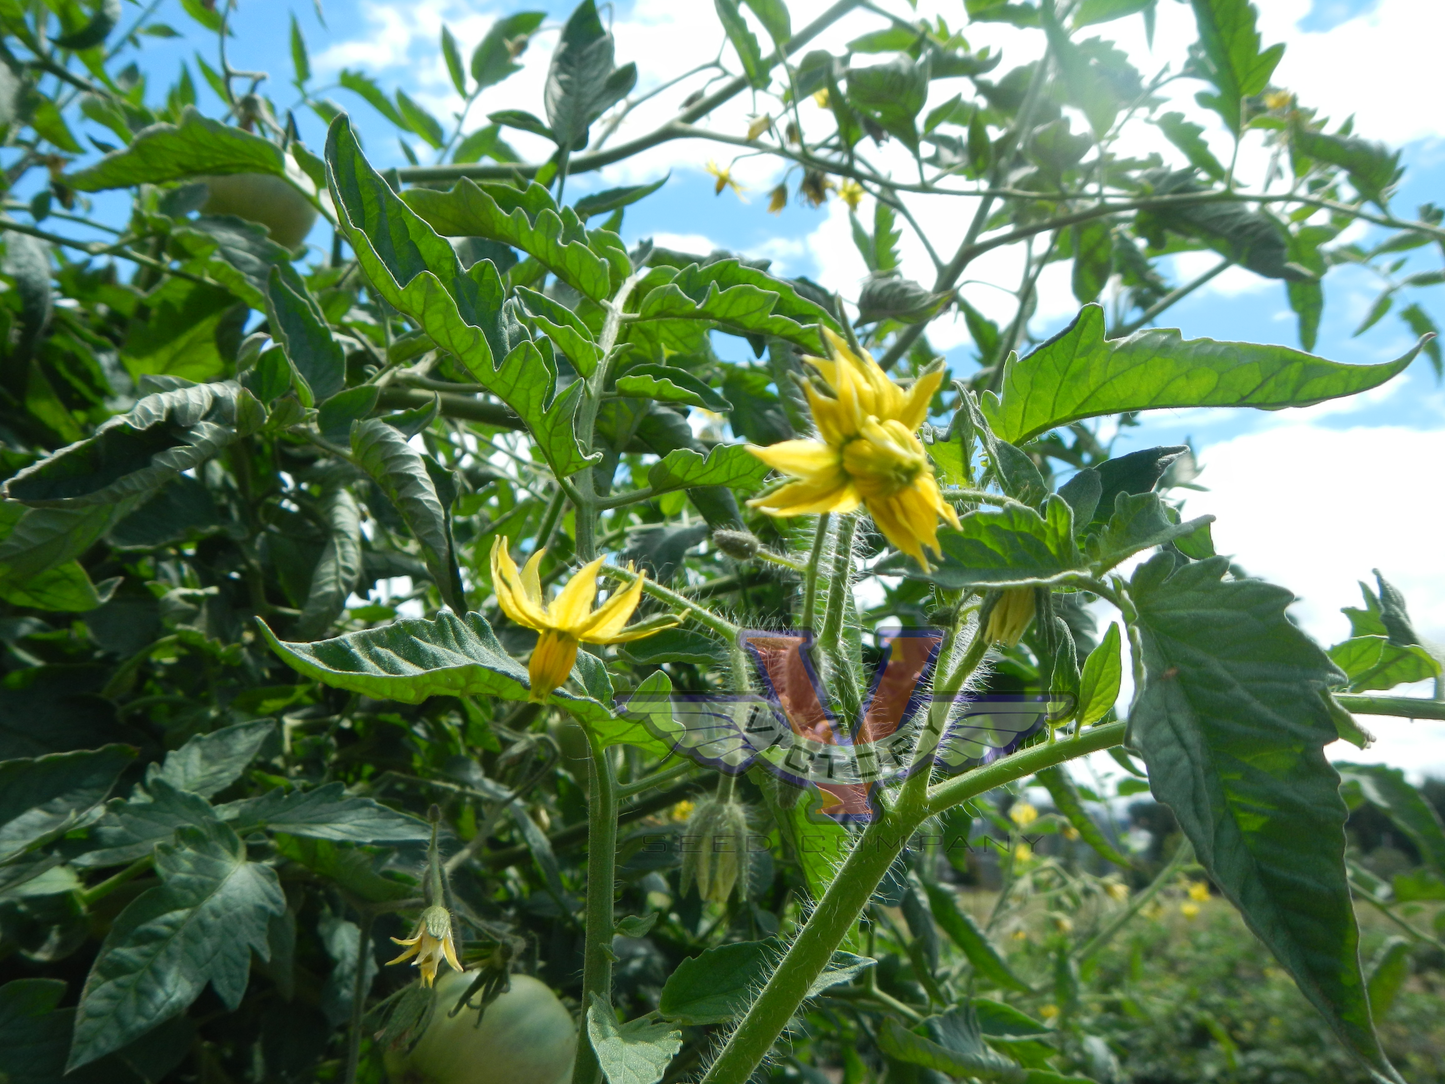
(170, 152)
(1232, 722)
(236, 253)
(44, 797)
(494, 59)
(94, 32)
(637, 1052)
(299, 326)
(564, 327)
(612, 199)
(582, 83)
(1373, 663)
(64, 589)
(338, 569)
(132, 827)
(1388, 971)
(323, 813)
(1232, 58)
(528, 219)
(962, 1054)
(1009, 548)
(1389, 791)
(402, 474)
(1078, 374)
(1093, 259)
(988, 963)
(412, 660)
(1139, 523)
(719, 984)
(1373, 167)
(669, 384)
(350, 867)
(1068, 801)
(209, 763)
(1102, 674)
(199, 926)
(1189, 138)
(730, 465)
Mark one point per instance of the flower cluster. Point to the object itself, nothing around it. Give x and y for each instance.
(867, 453)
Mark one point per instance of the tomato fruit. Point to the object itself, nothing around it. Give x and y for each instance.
(526, 1037)
(264, 199)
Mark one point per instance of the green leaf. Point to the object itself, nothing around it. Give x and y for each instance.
(527, 382)
(773, 14)
(132, 827)
(1387, 790)
(1070, 803)
(1231, 720)
(1009, 548)
(1307, 299)
(364, 86)
(323, 813)
(582, 83)
(1374, 663)
(179, 336)
(1103, 672)
(199, 926)
(955, 1047)
(612, 199)
(236, 253)
(495, 58)
(521, 120)
(209, 763)
(485, 143)
(1140, 521)
(1232, 59)
(412, 659)
(669, 384)
(338, 569)
(564, 327)
(1388, 972)
(64, 589)
(988, 963)
(744, 43)
(402, 474)
(453, 57)
(351, 868)
(1373, 167)
(35, 1036)
(50, 125)
(637, 1052)
(300, 62)
(1188, 137)
(741, 299)
(170, 152)
(133, 455)
(299, 326)
(892, 94)
(43, 798)
(730, 465)
(1418, 321)
(1093, 259)
(93, 33)
(523, 218)
(719, 984)
(1078, 374)
(1102, 11)
(420, 121)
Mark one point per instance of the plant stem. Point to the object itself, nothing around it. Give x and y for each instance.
(601, 872)
(1034, 759)
(1406, 707)
(358, 999)
(838, 586)
(98, 892)
(1182, 857)
(723, 628)
(810, 572)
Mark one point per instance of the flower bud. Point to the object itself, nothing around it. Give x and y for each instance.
(1011, 616)
(715, 850)
(739, 545)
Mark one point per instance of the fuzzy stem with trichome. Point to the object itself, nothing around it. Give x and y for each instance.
(601, 873)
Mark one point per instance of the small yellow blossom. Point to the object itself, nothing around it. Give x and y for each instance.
(1279, 99)
(821, 97)
(1070, 833)
(1189, 910)
(758, 125)
(1198, 891)
(778, 199)
(1011, 616)
(1023, 814)
(568, 620)
(1117, 891)
(724, 180)
(850, 192)
(1049, 1012)
(1063, 923)
(1021, 935)
(681, 811)
(430, 943)
(1023, 853)
(791, 133)
(866, 454)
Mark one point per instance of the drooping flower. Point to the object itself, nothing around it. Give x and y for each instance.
(715, 854)
(815, 187)
(758, 125)
(569, 619)
(867, 453)
(850, 192)
(1023, 814)
(1011, 616)
(724, 180)
(431, 942)
(778, 199)
(1199, 891)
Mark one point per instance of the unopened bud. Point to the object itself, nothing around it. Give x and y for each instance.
(739, 545)
(715, 853)
(1011, 616)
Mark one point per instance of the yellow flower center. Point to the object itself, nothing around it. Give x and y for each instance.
(883, 459)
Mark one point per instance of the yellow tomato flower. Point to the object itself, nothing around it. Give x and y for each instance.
(866, 454)
(850, 192)
(724, 180)
(1049, 1012)
(1189, 910)
(1011, 616)
(430, 943)
(568, 620)
(778, 199)
(1023, 814)
(1117, 892)
(758, 125)
(1023, 853)
(821, 98)
(682, 811)
(1278, 99)
(1198, 891)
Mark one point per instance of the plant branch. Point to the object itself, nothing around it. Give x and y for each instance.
(601, 873)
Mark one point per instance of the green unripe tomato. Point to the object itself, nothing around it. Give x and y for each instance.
(264, 199)
(526, 1037)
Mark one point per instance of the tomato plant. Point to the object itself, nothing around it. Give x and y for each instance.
(450, 584)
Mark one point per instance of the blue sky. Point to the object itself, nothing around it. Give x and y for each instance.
(1362, 478)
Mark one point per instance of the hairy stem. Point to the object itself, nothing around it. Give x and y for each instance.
(810, 574)
(358, 999)
(601, 872)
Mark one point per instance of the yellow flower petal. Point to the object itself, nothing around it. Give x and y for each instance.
(800, 458)
(628, 635)
(551, 664)
(512, 594)
(807, 498)
(532, 581)
(609, 618)
(570, 608)
(914, 409)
